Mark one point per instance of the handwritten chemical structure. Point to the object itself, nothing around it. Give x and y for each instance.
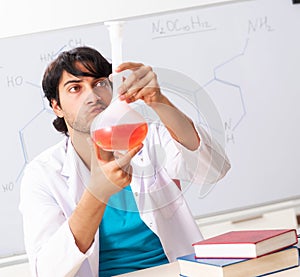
(234, 115)
(163, 28)
(17, 81)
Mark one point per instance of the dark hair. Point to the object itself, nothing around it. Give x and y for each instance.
(90, 58)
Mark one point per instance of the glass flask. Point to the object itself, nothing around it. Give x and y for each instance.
(119, 126)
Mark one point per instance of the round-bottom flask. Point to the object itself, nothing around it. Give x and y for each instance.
(118, 127)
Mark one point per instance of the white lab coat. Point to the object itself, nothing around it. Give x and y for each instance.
(54, 181)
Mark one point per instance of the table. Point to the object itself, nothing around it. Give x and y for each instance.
(166, 270)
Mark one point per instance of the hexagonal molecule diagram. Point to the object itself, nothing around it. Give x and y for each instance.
(27, 130)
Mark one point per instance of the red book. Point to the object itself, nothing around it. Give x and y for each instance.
(245, 244)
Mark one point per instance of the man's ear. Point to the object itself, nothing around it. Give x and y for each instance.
(56, 108)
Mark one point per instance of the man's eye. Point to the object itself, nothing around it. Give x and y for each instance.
(74, 89)
(102, 84)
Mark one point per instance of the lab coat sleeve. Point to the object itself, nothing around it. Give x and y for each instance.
(49, 242)
(206, 165)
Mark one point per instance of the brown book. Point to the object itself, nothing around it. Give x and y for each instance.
(213, 267)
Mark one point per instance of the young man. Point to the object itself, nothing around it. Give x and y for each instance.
(90, 212)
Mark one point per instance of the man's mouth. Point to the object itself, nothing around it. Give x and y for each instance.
(98, 109)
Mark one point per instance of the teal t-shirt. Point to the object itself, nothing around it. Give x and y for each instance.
(126, 243)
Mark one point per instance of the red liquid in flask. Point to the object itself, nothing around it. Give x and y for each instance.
(120, 137)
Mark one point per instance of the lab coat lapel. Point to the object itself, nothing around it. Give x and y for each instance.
(75, 173)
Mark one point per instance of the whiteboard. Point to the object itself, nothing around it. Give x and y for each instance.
(245, 56)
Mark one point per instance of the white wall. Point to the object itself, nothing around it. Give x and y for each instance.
(24, 17)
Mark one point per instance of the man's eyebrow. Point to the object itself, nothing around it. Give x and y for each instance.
(72, 81)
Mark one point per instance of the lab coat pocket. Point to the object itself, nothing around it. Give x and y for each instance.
(165, 195)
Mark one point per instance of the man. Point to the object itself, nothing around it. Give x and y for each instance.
(90, 212)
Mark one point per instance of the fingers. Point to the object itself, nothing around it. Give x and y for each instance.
(94, 152)
(140, 83)
(111, 78)
(98, 156)
(128, 65)
(124, 160)
(137, 86)
(107, 178)
(137, 74)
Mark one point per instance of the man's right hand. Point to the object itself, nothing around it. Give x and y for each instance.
(109, 177)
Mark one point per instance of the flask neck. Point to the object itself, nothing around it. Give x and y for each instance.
(117, 82)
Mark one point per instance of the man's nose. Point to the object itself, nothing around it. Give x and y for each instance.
(92, 98)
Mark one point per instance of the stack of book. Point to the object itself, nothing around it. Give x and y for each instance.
(243, 254)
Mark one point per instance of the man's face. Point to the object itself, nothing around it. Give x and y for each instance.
(81, 99)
